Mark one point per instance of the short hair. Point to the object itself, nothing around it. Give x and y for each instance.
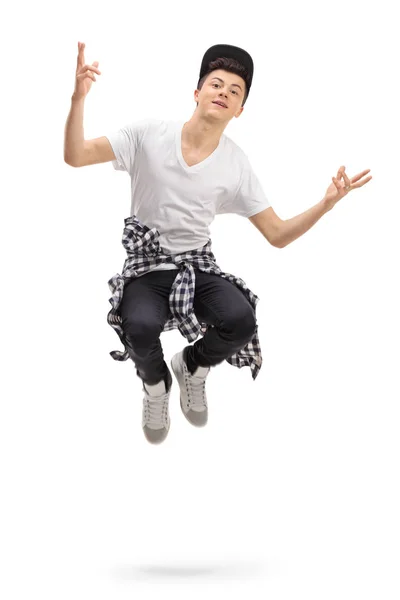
(232, 66)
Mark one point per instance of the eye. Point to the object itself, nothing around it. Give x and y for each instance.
(235, 92)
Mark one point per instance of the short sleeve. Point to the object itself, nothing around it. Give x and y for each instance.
(250, 198)
(126, 143)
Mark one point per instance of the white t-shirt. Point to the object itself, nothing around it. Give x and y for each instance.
(182, 201)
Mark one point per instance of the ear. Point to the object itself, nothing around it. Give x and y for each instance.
(239, 112)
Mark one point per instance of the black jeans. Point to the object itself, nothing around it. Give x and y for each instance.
(144, 311)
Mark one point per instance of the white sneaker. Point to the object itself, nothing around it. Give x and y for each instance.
(155, 417)
(193, 397)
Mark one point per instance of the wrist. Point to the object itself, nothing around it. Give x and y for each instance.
(327, 205)
(77, 99)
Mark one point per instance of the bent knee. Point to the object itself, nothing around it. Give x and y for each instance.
(139, 329)
(242, 324)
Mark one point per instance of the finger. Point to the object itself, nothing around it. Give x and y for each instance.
(89, 68)
(86, 74)
(80, 59)
(357, 177)
(361, 183)
(339, 185)
(346, 179)
(81, 54)
(93, 68)
(340, 171)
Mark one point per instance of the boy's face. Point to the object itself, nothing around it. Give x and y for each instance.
(223, 86)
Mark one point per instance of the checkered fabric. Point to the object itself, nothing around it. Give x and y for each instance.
(144, 252)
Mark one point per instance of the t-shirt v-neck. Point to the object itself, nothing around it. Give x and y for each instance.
(200, 165)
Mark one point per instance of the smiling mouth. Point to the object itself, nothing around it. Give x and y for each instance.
(219, 105)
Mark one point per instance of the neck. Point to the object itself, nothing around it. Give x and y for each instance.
(201, 133)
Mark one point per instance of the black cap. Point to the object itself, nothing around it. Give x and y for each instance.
(227, 51)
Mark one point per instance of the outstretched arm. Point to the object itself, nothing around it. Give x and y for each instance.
(280, 232)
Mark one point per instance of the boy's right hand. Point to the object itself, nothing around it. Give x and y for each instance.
(84, 74)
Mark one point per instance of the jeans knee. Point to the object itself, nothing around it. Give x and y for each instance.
(249, 324)
(141, 331)
(242, 325)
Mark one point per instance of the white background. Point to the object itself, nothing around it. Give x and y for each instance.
(291, 491)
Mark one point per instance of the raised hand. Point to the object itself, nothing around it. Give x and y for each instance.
(84, 74)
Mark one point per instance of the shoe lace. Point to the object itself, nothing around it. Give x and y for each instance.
(156, 409)
(196, 387)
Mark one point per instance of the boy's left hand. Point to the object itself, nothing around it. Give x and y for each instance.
(338, 189)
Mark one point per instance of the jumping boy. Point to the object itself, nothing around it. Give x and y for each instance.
(182, 175)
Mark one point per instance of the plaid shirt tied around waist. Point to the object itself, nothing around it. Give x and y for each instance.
(144, 252)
